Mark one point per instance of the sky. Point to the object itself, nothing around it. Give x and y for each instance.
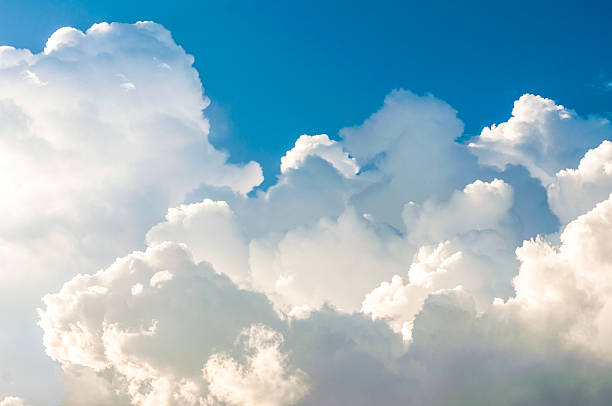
(334, 203)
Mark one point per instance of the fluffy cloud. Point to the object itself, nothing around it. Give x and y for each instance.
(12, 401)
(550, 337)
(542, 136)
(479, 206)
(172, 343)
(321, 146)
(544, 345)
(263, 381)
(154, 342)
(99, 134)
(465, 244)
(211, 230)
(569, 286)
(408, 146)
(460, 356)
(348, 253)
(576, 191)
(380, 268)
(289, 265)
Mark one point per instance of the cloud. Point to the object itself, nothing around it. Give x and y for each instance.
(289, 265)
(479, 206)
(547, 342)
(321, 146)
(408, 146)
(459, 356)
(12, 401)
(153, 344)
(213, 233)
(87, 167)
(348, 253)
(569, 286)
(544, 345)
(173, 343)
(576, 191)
(381, 267)
(66, 37)
(263, 381)
(11, 57)
(541, 135)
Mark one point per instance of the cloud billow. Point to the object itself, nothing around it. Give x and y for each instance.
(385, 266)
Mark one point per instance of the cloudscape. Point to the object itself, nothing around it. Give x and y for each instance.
(399, 261)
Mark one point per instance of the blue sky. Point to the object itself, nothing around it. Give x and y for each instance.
(275, 70)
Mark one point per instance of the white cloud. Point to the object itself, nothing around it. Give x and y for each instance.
(576, 191)
(377, 269)
(462, 242)
(262, 381)
(570, 286)
(289, 265)
(212, 232)
(479, 206)
(12, 401)
(11, 57)
(348, 254)
(398, 303)
(550, 337)
(485, 273)
(87, 167)
(65, 37)
(152, 345)
(159, 278)
(408, 146)
(321, 146)
(542, 136)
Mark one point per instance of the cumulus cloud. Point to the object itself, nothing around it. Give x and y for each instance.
(289, 265)
(569, 286)
(321, 146)
(541, 135)
(11, 57)
(12, 401)
(465, 241)
(153, 344)
(381, 267)
(263, 381)
(479, 206)
(87, 167)
(549, 339)
(408, 145)
(211, 229)
(348, 253)
(576, 191)
(543, 345)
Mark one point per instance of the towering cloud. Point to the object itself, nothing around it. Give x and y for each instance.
(169, 340)
(99, 134)
(153, 320)
(381, 268)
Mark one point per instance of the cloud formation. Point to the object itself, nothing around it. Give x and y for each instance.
(12, 401)
(99, 134)
(541, 135)
(321, 146)
(158, 341)
(576, 191)
(381, 268)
